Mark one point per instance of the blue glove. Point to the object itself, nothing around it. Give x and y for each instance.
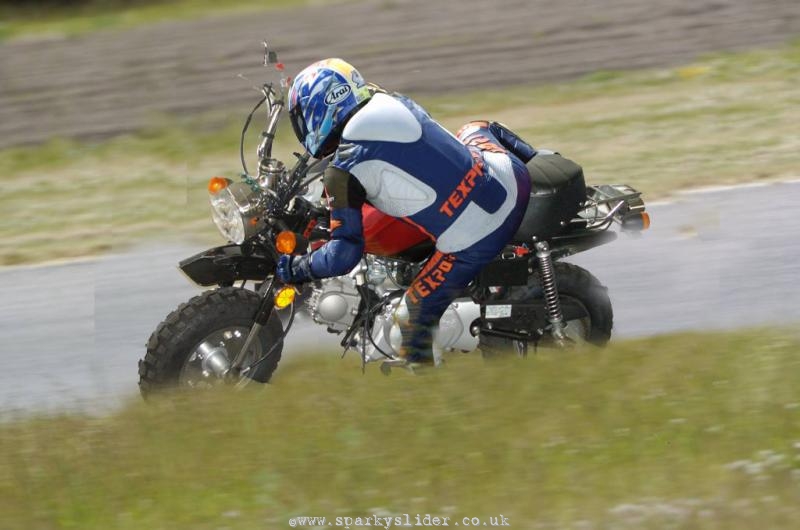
(512, 141)
(294, 269)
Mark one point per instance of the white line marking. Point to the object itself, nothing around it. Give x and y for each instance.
(52, 263)
(732, 187)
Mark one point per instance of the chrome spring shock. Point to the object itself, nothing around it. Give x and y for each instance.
(547, 277)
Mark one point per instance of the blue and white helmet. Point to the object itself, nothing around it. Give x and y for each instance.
(321, 99)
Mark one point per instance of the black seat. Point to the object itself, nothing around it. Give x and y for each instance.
(558, 190)
(551, 173)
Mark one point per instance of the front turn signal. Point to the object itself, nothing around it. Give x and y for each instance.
(217, 184)
(284, 297)
(286, 242)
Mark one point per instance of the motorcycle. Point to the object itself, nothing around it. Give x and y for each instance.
(233, 333)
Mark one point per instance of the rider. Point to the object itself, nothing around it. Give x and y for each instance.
(467, 192)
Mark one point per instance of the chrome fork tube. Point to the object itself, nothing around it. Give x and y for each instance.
(261, 318)
(251, 337)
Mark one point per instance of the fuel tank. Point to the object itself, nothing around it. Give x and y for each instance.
(392, 237)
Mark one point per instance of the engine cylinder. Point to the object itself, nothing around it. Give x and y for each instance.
(332, 307)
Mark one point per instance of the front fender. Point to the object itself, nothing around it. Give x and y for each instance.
(227, 264)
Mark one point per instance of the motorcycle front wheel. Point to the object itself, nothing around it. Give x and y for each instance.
(192, 345)
(579, 286)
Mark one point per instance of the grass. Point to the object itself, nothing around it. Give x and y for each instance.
(695, 431)
(43, 19)
(726, 118)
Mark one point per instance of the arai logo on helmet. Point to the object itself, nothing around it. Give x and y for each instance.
(337, 94)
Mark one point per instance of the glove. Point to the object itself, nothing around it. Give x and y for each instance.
(294, 269)
(512, 141)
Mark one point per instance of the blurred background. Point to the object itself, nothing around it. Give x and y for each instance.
(114, 114)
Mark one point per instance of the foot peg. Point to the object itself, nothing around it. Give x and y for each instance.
(414, 368)
(386, 366)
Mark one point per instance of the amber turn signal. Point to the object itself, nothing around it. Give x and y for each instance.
(636, 221)
(217, 184)
(286, 242)
(284, 297)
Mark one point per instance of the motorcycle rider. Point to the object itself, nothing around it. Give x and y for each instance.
(467, 192)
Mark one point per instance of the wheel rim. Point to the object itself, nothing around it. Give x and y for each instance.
(579, 329)
(206, 364)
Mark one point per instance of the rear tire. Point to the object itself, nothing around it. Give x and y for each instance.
(575, 283)
(175, 341)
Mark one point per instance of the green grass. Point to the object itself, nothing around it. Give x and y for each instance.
(676, 432)
(31, 20)
(727, 118)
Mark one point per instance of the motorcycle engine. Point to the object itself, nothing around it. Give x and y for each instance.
(335, 303)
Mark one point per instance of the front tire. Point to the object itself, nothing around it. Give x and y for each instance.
(576, 284)
(220, 319)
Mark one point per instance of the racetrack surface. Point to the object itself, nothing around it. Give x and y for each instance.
(72, 333)
(112, 82)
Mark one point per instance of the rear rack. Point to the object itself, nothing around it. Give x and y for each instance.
(608, 203)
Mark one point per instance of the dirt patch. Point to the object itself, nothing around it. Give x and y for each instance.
(108, 83)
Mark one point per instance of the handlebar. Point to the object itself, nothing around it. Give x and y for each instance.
(268, 135)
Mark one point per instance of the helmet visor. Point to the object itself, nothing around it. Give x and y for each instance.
(298, 124)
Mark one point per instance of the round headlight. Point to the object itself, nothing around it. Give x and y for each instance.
(237, 212)
(227, 217)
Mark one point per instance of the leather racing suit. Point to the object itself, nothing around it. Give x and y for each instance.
(467, 192)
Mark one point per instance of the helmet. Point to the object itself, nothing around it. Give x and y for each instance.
(322, 98)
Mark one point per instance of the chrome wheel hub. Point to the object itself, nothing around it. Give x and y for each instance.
(210, 360)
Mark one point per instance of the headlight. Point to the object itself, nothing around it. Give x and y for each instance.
(236, 212)
(227, 217)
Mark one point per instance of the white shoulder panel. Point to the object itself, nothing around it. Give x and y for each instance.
(383, 119)
(392, 190)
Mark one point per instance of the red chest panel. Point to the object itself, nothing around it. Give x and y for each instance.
(385, 235)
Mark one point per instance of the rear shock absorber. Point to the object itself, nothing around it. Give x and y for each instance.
(547, 277)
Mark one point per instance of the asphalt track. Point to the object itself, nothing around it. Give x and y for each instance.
(111, 82)
(71, 334)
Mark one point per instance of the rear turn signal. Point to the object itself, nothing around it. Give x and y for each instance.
(217, 184)
(636, 221)
(284, 297)
(286, 242)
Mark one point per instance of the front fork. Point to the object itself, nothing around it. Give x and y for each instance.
(262, 316)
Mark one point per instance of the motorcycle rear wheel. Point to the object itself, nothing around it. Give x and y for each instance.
(217, 320)
(576, 284)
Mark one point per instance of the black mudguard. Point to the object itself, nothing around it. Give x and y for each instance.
(227, 264)
(580, 241)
